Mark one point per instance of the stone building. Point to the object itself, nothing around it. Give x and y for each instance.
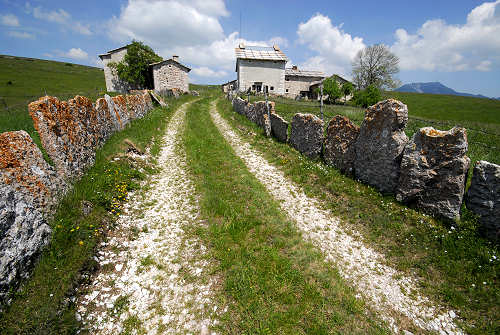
(229, 86)
(260, 67)
(169, 74)
(298, 82)
(113, 83)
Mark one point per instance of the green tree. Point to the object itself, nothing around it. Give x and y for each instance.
(332, 89)
(367, 97)
(347, 89)
(375, 65)
(134, 68)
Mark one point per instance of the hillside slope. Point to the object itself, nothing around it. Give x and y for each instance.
(435, 88)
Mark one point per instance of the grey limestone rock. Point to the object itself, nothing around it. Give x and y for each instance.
(434, 171)
(380, 145)
(307, 134)
(240, 105)
(341, 135)
(483, 198)
(279, 127)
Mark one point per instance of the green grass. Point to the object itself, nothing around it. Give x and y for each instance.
(274, 282)
(447, 261)
(41, 306)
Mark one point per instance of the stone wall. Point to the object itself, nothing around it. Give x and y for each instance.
(30, 188)
(428, 172)
(170, 74)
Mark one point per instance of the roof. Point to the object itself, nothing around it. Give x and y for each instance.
(229, 82)
(261, 53)
(113, 51)
(302, 73)
(170, 60)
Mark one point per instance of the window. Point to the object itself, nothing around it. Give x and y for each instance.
(286, 90)
(272, 88)
(287, 79)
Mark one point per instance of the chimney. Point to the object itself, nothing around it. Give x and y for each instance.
(295, 68)
(276, 48)
(242, 45)
(176, 58)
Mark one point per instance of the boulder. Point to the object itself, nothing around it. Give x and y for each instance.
(279, 127)
(307, 134)
(483, 198)
(240, 105)
(195, 93)
(339, 152)
(266, 125)
(380, 144)
(434, 171)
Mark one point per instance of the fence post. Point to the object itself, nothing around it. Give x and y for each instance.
(267, 107)
(321, 101)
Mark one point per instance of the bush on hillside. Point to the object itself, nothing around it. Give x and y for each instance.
(370, 96)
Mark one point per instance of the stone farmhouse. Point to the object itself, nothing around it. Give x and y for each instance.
(263, 68)
(167, 74)
(229, 86)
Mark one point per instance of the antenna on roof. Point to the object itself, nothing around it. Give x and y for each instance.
(241, 37)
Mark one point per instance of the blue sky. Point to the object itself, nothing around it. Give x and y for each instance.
(455, 42)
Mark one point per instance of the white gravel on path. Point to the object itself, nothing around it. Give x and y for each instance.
(153, 277)
(361, 266)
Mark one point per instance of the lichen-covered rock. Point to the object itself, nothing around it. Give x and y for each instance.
(266, 125)
(240, 105)
(483, 198)
(261, 114)
(69, 132)
(29, 189)
(279, 127)
(148, 102)
(339, 152)
(105, 119)
(380, 145)
(195, 93)
(120, 107)
(434, 171)
(114, 114)
(307, 134)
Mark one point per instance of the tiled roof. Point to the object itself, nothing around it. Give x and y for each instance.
(301, 73)
(173, 60)
(260, 53)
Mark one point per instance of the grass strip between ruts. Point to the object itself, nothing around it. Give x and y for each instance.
(456, 268)
(273, 281)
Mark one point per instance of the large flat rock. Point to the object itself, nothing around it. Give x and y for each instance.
(434, 171)
(483, 198)
(380, 144)
(279, 128)
(307, 134)
(339, 150)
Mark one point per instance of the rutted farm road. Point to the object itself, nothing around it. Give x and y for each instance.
(156, 275)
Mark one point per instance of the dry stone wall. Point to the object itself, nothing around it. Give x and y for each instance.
(30, 188)
(428, 172)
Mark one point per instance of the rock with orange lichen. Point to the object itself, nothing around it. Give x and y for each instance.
(341, 135)
(113, 113)
(121, 111)
(306, 134)
(380, 144)
(434, 171)
(104, 119)
(69, 131)
(29, 189)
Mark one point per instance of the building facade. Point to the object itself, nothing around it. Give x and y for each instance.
(260, 68)
(169, 74)
(113, 83)
(299, 82)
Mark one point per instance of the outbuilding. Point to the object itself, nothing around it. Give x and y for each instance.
(169, 74)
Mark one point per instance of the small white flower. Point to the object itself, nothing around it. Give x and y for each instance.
(484, 283)
(473, 285)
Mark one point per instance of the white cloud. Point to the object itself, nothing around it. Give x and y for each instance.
(207, 72)
(21, 34)
(335, 48)
(74, 53)
(59, 16)
(9, 20)
(438, 46)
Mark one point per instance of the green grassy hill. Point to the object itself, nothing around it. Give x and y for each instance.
(25, 79)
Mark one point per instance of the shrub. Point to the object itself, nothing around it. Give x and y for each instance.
(370, 96)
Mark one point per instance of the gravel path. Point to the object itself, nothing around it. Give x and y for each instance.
(358, 264)
(153, 274)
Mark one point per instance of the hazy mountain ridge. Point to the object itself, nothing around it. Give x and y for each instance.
(436, 88)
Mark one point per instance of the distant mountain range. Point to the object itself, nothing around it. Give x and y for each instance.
(436, 88)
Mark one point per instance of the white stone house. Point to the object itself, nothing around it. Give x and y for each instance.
(113, 83)
(169, 74)
(298, 82)
(259, 68)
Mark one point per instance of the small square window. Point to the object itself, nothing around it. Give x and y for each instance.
(272, 88)
(287, 90)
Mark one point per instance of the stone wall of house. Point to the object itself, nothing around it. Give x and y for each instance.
(30, 188)
(113, 83)
(428, 172)
(296, 84)
(169, 75)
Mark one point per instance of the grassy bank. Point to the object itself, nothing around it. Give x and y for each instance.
(274, 282)
(42, 305)
(456, 268)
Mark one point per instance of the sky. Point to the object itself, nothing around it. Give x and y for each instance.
(455, 42)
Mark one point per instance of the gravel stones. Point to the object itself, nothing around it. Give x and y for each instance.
(483, 198)
(279, 127)
(380, 145)
(307, 134)
(434, 171)
(341, 135)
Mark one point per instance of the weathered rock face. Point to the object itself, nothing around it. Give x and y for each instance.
(266, 124)
(483, 198)
(339, 150)
(28, 189)
(103, 118)
(434, 171)
(260, 116)
(279, 127)
(307, 134)
(240, 106)
(120, 107)
(380, 145)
